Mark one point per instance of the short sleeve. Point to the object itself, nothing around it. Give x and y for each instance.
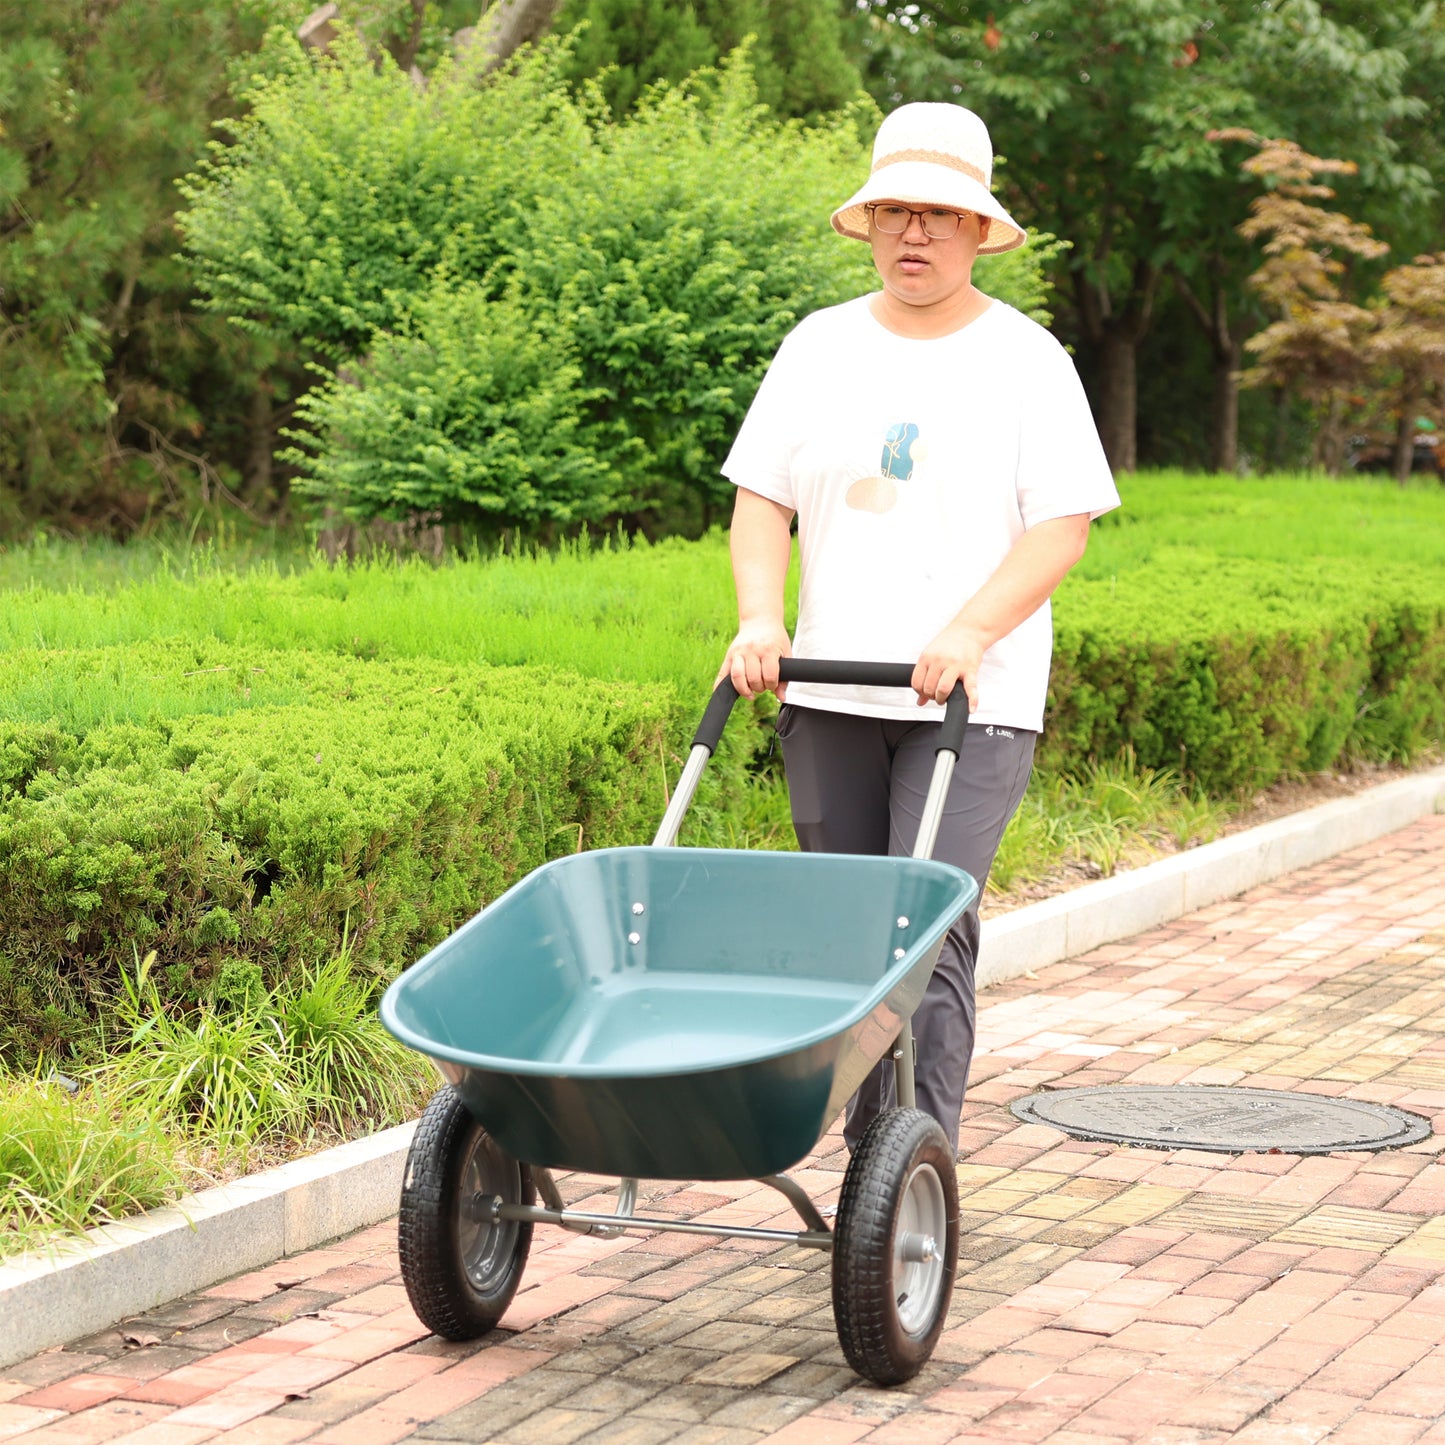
(1062, 469)
(761, 455)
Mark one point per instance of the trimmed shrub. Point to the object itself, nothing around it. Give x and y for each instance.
(1239, 673)
(379, 812)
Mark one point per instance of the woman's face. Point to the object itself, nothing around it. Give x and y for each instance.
(922, 272)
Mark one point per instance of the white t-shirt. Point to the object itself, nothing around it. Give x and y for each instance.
(914, 466)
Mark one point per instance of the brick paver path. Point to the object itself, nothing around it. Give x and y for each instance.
(1105, 1293)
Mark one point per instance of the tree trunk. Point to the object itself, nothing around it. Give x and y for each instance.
(1224, 410)
(1279, 435)
(318, 30)
(260, 440)
(505, 27)
(1227, 354)
(1405, 436)
(1118, 398)
(406, 55)
(1114, 333)
(1330, 439)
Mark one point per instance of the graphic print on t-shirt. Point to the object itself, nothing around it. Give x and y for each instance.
(901, 451)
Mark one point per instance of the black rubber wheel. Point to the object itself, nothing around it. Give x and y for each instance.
(895, 1249)
(460, 1267)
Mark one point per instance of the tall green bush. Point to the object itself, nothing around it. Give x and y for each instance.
(453, 254)
(467, 412)
(344, 189)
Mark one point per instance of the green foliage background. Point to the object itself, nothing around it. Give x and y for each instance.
(526, 314)
(126, 401)
(110, 379)
(800, 59)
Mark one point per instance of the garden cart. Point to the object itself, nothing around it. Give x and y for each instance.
(676, 1013)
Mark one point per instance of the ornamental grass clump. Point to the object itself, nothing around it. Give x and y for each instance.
(353, 1074)
(253, 1068)
(73, 1157)
(1111, 812)
(215, 1073)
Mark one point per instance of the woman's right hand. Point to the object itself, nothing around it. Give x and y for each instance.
(752, 659)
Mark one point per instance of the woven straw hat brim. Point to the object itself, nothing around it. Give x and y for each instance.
(925, 183)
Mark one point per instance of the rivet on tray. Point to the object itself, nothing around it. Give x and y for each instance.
(634, 938)
(638, 908)
(903, 923)
(897, 953)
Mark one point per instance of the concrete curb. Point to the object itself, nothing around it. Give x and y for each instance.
(1119, 907)
(122, 1270)
(119, 1270)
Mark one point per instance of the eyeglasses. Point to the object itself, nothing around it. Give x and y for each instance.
(938, 224)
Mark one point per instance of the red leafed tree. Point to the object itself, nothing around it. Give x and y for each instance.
(1320, 344)
(1408, 347)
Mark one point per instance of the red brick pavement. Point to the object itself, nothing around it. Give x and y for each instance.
(1105, 1293)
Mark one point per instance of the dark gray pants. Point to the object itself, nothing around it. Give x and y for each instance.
(857, 785)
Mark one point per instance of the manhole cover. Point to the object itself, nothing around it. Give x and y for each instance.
(1223, 1120)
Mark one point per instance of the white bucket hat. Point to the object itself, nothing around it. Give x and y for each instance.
(932, 153)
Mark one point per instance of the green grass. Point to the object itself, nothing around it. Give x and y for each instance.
(237, 1081)
(1110, 813)
(651, 613)
(97, 563)
(70, 1161)
(1277, 518)
(645, 613)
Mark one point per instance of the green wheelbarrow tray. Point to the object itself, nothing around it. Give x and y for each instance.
(678, 1013)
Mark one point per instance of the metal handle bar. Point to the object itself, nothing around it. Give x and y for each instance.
(813, 669)
(822, 670)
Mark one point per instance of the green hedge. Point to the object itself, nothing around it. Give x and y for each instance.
(1238, 673)
(383, 802)
(392, 759)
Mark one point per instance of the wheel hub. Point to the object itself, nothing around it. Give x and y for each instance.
(485, 1241)
(917, 1262)
(917, 1248)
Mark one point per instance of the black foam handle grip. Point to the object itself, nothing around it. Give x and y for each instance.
(823, 670)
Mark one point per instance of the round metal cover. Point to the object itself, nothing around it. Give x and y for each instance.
(1220, 1119)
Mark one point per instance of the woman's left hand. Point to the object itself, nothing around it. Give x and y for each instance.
(954, 656)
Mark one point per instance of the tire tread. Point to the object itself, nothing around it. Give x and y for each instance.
(866, 1314)
(443, 1297)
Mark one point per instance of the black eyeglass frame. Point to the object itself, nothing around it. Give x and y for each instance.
(922, 213)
